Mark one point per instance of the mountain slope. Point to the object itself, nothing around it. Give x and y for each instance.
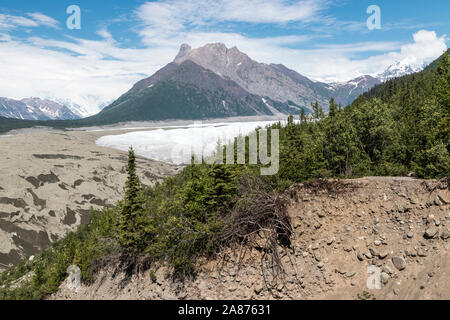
(215, 82)
(323, 261)
(274, 80)
(405, 130)
(188, 91)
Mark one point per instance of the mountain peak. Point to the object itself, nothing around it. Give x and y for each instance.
(184, 51)
(209, 53)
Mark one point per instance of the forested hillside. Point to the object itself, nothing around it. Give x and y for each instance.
(399, 127)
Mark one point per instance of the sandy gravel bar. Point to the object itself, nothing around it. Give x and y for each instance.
(49, 180)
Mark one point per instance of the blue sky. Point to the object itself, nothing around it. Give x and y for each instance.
(121, 42)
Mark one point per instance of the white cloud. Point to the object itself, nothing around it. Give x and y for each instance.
(177, 14)
(425, 48)
(9, 22)
(270, 11)
(44, 20)
(88, 73)
(339, 63)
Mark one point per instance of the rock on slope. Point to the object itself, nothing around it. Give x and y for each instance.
(398, 225)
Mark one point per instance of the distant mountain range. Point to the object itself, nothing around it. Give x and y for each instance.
(35, 109)
(346, 92)
(212, 81)
(399, 69)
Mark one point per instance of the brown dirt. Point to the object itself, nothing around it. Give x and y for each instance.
(340, 229)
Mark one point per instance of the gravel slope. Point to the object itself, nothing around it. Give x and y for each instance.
(399, 225)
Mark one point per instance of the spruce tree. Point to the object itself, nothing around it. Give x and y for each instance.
(333, 108)
(290, 120)
(222, 188)
(131, 220)
(302, 116)
(317, 111)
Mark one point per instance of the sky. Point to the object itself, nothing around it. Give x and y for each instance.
(120, 42)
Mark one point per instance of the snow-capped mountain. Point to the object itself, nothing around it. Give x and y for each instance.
(35, 109)
(51, 109)
(399, 69)
(345, 92)
(84, 106)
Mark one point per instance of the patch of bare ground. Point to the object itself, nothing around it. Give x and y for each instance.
(373, 237)
(49, 183)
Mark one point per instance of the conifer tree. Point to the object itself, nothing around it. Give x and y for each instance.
(317, 111)
(302, 116)
(290, 120)
(333, 108)
(131, 221)
(222, 187)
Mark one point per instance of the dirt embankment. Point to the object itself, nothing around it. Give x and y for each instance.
(374, 237)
